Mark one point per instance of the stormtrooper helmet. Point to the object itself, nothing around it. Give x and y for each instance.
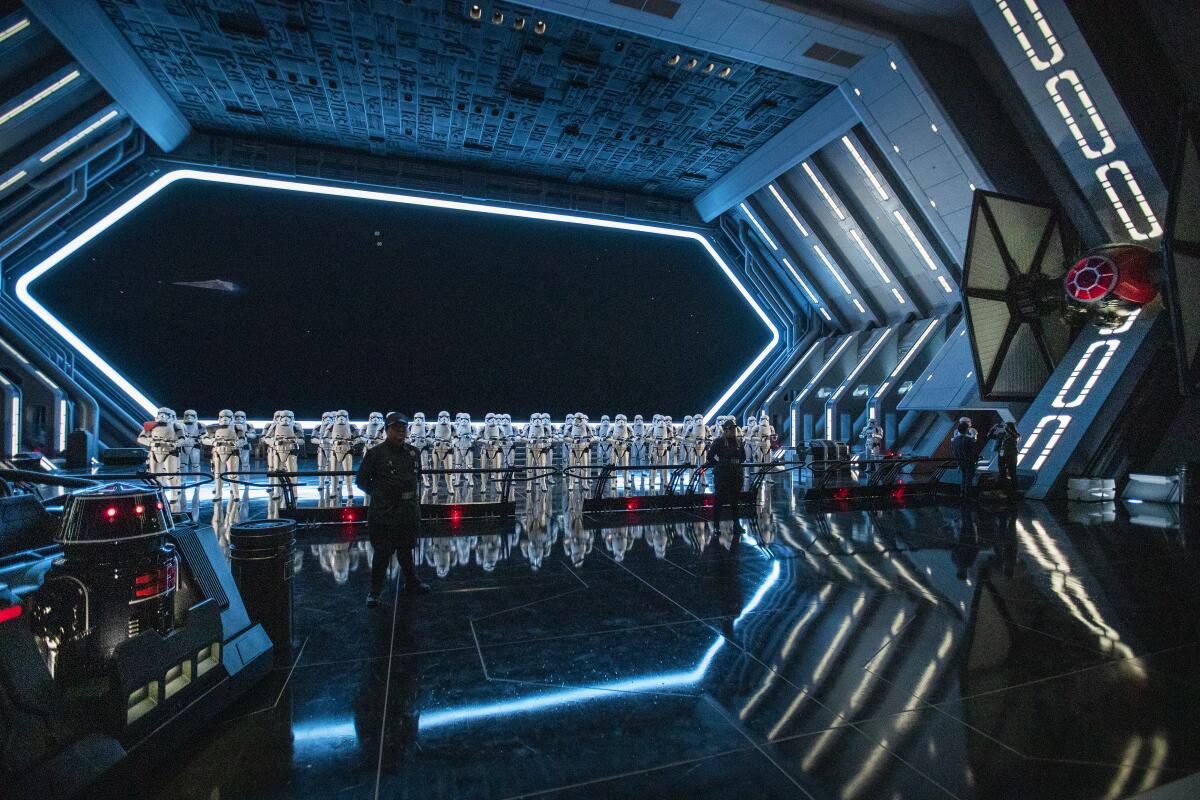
(190, 415)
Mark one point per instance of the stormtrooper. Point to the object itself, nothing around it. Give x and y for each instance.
(374, 434)
(620, 444)
(418, 437)
(872, 439)
(189, 449)
(637, 444)
(324, 446)
(750, 438)
(577, 435)
(239, 418)
(491, 450)
(662, 441)
(442, 456)
(603, 449)
(687, 437)
(766, 437)
(509, 441)
(464, 450)
(539, 441)
(226, 438)
(343, 438)
(283, 440)
(163, 438)
(701, 439)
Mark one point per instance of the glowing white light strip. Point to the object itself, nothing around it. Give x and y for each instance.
(25, 105)
(15, 433)
(883, 337)
(861, 308)
(46, 380)
(912, 352)
(808, 291)
(828, 422)
(69, 143)
(825, 314)
(62, 425)
(945, 284)
(899, 297)
(866, 251)
(117, 214)
(793, 426)
(758, 226)
(1060, 400)
(649, 683)
(824, 192)
(866, 170)
(1056, 51)
(1061, 421)
(824, 368)
(787, 209)
(1107, 145)
(14, 29)
(1117, 203)
(16, 176)
(912, 237)
(12, 352)
(803, 360)
(832, 269)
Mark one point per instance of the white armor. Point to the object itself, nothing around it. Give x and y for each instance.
(662, 440)
(283, 439)
(509, 446)
(226, 438)
(750, 438)
(491, 449)
(701, 439)
(374, 434)
(539, 443)
(872, 437)
(620, 446)
(239, 418)
(638, 451)
(418, 437)
(603, 448)
(766, 437)
(343, 438)
(324, 445)
(464, 449)
(442, 456)
(578, 436)
(163, 439)
(189, 449)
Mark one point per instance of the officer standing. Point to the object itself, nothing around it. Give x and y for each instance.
(1008, 442)
(389, 474)
(725, 457)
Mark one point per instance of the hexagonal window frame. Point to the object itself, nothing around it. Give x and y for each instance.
(80, 240)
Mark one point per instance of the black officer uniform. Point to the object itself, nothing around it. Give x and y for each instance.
(725, 457)
(389, 474)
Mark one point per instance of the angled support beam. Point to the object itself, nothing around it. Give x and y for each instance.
(90, 36)
(828, 119)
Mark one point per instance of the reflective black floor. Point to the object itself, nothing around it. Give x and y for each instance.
(920, 653)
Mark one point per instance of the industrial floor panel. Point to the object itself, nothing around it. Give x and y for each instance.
(940, 651)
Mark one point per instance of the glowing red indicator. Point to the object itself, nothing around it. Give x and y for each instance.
(10, 613)
(111, 512)
(632, 505)
(348, 515)
(158, 505)
(842, 493)
(139, 509)
(455, 514)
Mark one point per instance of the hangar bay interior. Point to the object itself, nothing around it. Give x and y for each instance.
(803, 395)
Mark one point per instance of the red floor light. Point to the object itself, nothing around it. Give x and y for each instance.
(348, 515)
(111, 512)
(842, 493)
(633, 504)
(10, 613)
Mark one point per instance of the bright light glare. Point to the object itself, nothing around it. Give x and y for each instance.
(32, 101)
(121, 211)
(14, 29)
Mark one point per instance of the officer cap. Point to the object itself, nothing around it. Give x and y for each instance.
(395, 418)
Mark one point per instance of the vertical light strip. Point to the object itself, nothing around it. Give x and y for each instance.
(14, 29)
(866, 251)
(912, 237)
(832, 269)
(866, 170)
(68, 143)
(16, 425)
(837, 212)
(787, 209)
(758, 226)
(29, 103)
(62, 425)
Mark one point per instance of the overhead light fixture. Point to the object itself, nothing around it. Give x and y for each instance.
(787, 209)
(497, 18)
(708, 68)
(673, 60)
(866, 170)
(519, 24)
(91, 232)
(72, 140)
(691, 64)
(476, 12)
(803, 285)
(12, 179)
(812, 176)
(14, 29)
(825, 314)
(539, 27)
(857, 92)
(893, 65)
(912, 237)
(945, 284)
(41, 95)
(866, 251)
(899, 297)
(724, 73)
(758, 226)
(832, 269)
(861, 308)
